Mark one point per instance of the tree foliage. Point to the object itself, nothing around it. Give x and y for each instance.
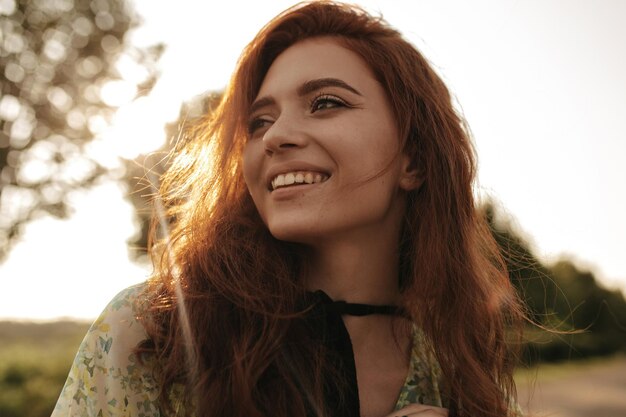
(574, 315)
(56, 56)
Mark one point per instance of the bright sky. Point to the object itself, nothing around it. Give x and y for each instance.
(541, 83)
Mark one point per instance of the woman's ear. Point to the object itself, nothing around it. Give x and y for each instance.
(411, 178)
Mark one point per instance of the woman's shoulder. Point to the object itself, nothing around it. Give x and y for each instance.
(107, 375)
(127, 304)
(119, 321)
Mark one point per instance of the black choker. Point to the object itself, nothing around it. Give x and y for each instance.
(356, 309)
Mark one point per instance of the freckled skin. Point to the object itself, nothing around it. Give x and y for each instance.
(352, 137)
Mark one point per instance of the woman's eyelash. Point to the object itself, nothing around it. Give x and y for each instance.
(325, 99)
(256, 123)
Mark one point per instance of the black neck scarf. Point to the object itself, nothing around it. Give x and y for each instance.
(325, 322)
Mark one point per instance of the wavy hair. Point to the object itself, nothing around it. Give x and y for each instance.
(224, 296)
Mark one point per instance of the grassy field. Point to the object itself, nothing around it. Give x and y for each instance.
(34, 362)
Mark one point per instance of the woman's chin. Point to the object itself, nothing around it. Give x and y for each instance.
(296, 233)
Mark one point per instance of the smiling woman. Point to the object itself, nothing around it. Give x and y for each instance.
(319, 109)
(326, 255)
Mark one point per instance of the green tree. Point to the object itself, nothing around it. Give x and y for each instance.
(586, 319)
(531, 278)
(55, 57)
(600, 312)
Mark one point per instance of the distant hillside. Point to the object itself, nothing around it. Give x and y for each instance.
(12, 331)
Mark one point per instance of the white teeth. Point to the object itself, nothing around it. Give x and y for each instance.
(298, 177)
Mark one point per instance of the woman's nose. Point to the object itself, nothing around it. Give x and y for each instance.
(284, 134)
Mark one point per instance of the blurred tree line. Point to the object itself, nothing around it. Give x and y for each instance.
(56, 56)
(575, 316)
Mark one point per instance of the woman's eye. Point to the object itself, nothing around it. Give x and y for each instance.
(324, 102)
(256, 124)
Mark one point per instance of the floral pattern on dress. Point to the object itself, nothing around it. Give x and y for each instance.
(422, 384)
(106, 378)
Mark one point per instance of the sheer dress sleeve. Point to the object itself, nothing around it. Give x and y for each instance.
(106, 378)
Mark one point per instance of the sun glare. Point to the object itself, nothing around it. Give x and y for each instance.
(117, 93)
(137, 129)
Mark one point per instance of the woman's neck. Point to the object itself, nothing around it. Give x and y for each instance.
(363, 270)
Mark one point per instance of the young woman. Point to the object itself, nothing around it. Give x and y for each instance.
(326, 256)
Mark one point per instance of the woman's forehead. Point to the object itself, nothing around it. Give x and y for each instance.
(312, 59)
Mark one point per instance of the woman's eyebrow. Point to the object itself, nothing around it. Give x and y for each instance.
(306, 88)
(313, 85)
(260, 103)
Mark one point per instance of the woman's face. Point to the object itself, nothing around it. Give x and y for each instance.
(322, 160)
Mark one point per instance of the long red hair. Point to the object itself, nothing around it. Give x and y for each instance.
(225, 292)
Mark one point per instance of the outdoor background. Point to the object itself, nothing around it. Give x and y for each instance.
(94, 92)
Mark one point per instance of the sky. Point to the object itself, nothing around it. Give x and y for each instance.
(541, 83)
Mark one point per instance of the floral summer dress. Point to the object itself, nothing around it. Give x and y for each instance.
(106, 378)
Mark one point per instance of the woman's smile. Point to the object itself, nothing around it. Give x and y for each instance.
(294, 173)
(296, 178)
